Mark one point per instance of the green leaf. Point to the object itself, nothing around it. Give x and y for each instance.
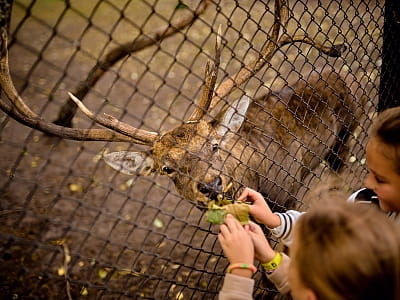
(239, 211)
(216, 216)
(181, 5)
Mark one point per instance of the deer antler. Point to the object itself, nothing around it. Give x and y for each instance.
(23, 114)
(276, 41)
(211, 73)
(145, 137)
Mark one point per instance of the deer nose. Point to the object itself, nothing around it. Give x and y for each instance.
(211, 189)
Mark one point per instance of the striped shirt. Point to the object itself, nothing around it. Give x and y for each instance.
(288, 219)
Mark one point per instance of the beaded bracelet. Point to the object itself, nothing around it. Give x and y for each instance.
(273, 263)
(250, 267)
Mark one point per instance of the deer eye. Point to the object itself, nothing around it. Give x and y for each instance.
(215, 147)
(167, 170)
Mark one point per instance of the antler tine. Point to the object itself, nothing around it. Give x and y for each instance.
(66, 132)
(334, 51)
(210, 75)
(6, 82)
(23, 114)
(226, 87)
(147, 137)
(277, 40)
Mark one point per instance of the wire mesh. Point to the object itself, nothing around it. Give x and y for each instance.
(72, 227)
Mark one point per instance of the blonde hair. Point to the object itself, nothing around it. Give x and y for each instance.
(348, 251)
(386, 128)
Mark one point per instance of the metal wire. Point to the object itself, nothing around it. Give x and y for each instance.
(72, 227)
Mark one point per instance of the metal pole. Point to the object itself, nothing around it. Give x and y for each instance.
(389, 88)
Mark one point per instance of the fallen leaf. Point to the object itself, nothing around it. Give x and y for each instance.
(175, 266)
(61, 271)
(129, 182)
(84, 291)
(102, 273)
(162, 244)
(75, 187)
(35, 161)
(179, 296)
(123, 187)
(59, 242)
(352, 159)
(158, 223)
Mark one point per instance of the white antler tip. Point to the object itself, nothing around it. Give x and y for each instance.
(219, 39)
(73, 98)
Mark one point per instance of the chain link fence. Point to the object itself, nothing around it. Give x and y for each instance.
(74, 228)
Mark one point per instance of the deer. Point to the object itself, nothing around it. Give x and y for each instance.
(272, 143)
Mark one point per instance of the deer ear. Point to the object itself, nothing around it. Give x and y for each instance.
(130, 163)
(234, 116)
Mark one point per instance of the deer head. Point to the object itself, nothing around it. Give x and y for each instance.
(193, 154)
(190, 155)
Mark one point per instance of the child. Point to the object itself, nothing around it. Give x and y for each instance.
(382, 183)
(340, 251)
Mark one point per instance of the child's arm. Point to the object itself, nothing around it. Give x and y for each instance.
(238, 248)
(278, 273)
(280, 224)
(284, 231)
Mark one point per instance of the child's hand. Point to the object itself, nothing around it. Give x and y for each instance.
(236, 242)
(262, 248)
(259, 208)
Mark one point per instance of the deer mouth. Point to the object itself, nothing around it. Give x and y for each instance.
(204, 198)
(212, 189)
(215, 193)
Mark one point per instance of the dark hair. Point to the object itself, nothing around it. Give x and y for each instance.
(386, 128)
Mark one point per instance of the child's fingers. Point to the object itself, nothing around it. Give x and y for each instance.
(232, 223)
(252, 226)
(221, 238)
(224, 230)
(256, 227)
(244, 194)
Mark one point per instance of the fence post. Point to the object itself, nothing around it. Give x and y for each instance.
(389, 88)
(5, 13)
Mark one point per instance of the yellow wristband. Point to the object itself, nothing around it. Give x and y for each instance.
(273, 263)
(251, 267)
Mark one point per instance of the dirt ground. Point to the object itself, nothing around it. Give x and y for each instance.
(71, 224)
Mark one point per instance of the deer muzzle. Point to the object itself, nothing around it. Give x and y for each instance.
(211, 189)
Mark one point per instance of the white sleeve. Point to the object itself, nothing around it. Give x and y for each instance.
(353, 196)
(285, 230)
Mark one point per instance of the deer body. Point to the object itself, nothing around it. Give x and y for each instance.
(285, 137)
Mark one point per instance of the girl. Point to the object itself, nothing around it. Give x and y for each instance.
(340, 251)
